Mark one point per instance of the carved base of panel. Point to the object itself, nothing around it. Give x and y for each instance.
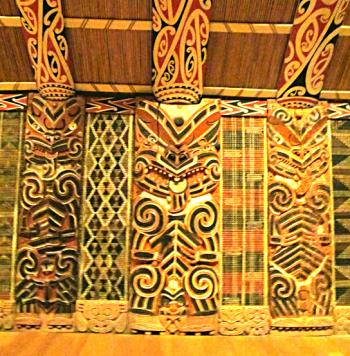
(181, 325)
(254, 321)
(44, 322)
(342, 320)
(101, 316)
(178, 94)
(7, 308)
(308, 326)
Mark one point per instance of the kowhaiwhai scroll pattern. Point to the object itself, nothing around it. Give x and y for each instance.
(300, 236)
(47, 255)
(181, 33)
(311, 47)
(43, 27)
(176, 241)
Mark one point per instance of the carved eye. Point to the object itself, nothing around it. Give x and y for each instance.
(171, 157)
(72, 126)
(182, 157)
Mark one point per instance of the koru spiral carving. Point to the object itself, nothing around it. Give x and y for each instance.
(299, 212)
(47, 256)
(175, 242)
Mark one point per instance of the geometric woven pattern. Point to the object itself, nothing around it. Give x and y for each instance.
(341, 193)
(105, 217)
(243, 211)
(9, 150)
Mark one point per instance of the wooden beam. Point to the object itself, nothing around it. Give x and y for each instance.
(311, 47)
(145, 25)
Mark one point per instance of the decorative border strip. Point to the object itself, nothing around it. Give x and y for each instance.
(244, 320)
(11, 102)
(101, 316)
(342, 320)
(233, 107)
(111, 104)
(7, 314)
(146, 25)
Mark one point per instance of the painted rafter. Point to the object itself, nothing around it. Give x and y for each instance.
(180, 37)
(43, 28)
(311, 46)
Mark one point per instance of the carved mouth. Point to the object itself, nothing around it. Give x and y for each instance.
(176, 178)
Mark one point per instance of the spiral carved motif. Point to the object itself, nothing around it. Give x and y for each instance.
(175, 242)
(47, 257)
(181, 33)
(300, 250)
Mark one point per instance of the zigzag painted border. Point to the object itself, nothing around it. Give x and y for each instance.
(337, 111)
(11, 102)
(233, 107)
(111, 104)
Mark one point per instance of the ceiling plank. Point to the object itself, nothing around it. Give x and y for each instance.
(244, 60)
(271, 11)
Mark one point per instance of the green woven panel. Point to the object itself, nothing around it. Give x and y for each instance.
(341, 191)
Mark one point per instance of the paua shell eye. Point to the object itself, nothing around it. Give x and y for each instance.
(72, 126)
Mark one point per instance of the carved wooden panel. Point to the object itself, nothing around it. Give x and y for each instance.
(300, 224)
(244, 320)
(181, 33)
(176, 240)
(47, 255)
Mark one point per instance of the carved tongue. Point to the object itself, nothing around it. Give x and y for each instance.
(178, 187)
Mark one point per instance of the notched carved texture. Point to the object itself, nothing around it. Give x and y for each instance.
(101, 316)
(342, 320)
(181, 33)
(47, 254)
(300, 233)
(175, 252)
(244, 320)
(7, 314)
(43, 27)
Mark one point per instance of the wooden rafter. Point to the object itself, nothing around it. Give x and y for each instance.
(43, 28)
(311, 46)
(181, 33)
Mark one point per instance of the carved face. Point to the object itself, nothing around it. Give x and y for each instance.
(177, 157)
(54, 133)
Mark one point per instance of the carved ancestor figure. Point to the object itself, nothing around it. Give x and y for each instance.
(175, 245)
(47, 256)
(299, 216)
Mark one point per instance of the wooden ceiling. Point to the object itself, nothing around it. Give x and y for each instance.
(239, 60)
